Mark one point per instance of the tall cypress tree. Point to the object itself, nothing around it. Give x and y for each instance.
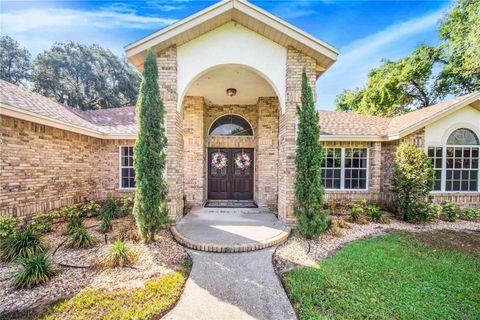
(149, 155)
(311, 218)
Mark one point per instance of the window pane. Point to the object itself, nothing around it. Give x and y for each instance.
(231, 125)
(463, 137)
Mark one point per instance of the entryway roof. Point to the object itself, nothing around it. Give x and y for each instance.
(244, 13)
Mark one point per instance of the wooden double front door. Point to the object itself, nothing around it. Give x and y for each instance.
(231, 182)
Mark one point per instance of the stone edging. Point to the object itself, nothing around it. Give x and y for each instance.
(210, 247)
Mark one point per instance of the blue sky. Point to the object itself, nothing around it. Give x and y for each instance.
(364, 31)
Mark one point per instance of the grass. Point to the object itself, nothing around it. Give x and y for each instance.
(389, 277)
(155, 299)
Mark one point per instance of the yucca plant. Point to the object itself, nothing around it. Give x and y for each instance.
(37, 269)
(119, 254)
(22, 244)
(106, 224)
(80, 239)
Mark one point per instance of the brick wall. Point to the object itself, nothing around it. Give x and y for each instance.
(167, 81)
(296, 62)
(44, 168)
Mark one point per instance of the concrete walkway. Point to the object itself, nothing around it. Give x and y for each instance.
(233, 286)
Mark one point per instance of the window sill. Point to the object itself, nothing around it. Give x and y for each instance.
(346, 190)
(126, 189)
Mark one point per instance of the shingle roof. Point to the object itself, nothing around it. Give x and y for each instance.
(350, 124)
(122, 121)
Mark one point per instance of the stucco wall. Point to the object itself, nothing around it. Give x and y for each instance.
(44, 168)
(437, 133)
(232, 43)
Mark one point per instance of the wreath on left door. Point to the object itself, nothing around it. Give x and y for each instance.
(219, 160)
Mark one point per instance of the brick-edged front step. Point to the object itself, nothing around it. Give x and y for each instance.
(210, 247)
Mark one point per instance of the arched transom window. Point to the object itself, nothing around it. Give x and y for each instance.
(231, 125)
(456, 164)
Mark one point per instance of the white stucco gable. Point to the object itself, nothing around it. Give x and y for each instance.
(437, 133)
(233, 44)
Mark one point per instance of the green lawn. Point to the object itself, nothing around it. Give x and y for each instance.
(389, 277)
(143, 303)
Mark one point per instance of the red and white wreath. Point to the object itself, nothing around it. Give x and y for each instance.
(219, 160)
(242, 160)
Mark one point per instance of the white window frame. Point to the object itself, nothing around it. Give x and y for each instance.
(342, 170)
(443, 184)
(120, 167)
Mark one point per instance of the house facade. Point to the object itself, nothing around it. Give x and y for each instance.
(230, 79)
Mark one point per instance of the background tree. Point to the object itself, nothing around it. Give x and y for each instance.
(89, 77)
(311, 218)
(14, 61)
(396, 87)
(413, 179)
(460, 33)
(150, 206)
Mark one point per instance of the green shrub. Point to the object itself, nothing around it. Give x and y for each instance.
(433, 210)
(43, 222)
(21, 244)
(110, 208)
(37, 269)
(119, 254)
(106, 224)
(413, 178)
(356, 211)
(80, 239)
(73, 223)
(375, 213)
(8, 226)
(70, 211)
(151, 191)
(126, 206)
(90, 209)
(449, 210)
(471, 213)
(308, 209)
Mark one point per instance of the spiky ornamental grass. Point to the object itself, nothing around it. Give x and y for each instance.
(150, 207)
(21, 244)
(80, 239)
(37, 269)
(119, 254)
(311, 217)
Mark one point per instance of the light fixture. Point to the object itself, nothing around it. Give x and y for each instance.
(231, 92)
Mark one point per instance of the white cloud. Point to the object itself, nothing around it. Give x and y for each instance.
(360, 56)
(53, 19)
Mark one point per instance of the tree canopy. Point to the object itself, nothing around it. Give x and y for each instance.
(83, 76)
(396, 87)
(88, 77)
(14, 61)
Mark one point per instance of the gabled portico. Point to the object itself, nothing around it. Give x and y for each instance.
(232, 45)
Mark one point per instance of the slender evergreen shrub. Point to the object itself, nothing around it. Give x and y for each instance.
(311, 217)
(413, 178)
(36, 270)
(150, 208)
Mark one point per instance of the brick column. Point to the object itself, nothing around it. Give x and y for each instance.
(296, 61)
(167, 81)
(267, 152)
(194, 146)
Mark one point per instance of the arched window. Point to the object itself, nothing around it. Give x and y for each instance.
(231, 125)
(463, 137)
(456, 165)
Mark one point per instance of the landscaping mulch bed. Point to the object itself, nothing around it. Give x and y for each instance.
(299, 252)
(160, 258)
